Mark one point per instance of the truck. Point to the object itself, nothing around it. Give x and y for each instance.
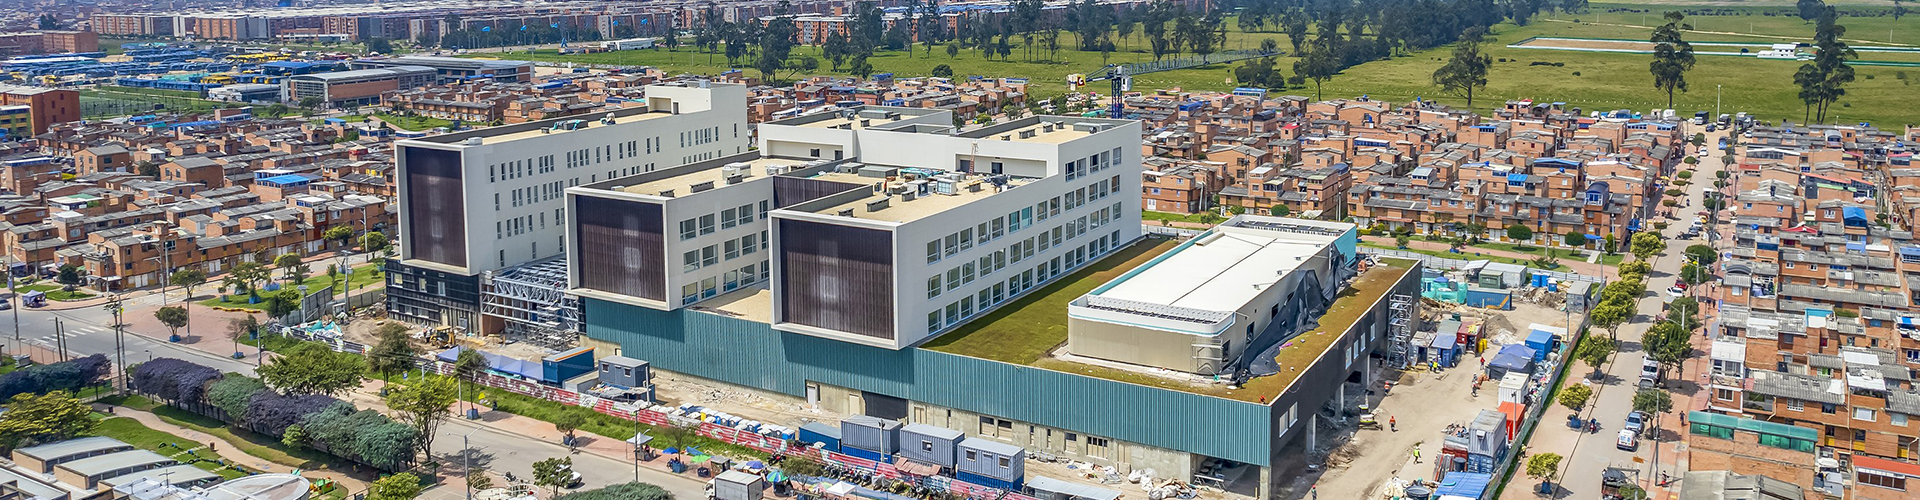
(1700, 118)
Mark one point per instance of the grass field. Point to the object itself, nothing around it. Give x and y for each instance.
(121, 101)
(143, 437)
(58, 292)
(251, 443)
(1591, 81)
(404, 122)
(363, 276)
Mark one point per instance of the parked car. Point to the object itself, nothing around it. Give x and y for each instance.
(1628, 440)
(1676, 292)
(1636, 421)
(1649, 373)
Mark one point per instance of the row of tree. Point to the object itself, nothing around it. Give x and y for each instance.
(70, 375)
(291, 401)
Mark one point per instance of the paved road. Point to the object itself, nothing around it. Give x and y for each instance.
(89, 331)
(1614, 397)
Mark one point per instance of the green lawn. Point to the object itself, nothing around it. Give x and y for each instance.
(143, 437)
(255, 444)
(403, 122)
(1159, 216)
(1023, 331)
(1603, 80)
(363, 277)
(58, 292)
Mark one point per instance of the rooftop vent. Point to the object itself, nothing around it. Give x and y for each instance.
(1046, 127)
(908, 195)
(474, 141)
(667, 193)
(1006, 137)
(878, 205)
(845, 213)
(702, 186)
(864, 122)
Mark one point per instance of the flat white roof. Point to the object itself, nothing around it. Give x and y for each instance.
(1222, 270)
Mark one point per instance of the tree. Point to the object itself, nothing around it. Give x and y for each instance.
(402, 486)
(1646, 245)
(1467, 70)
(1667, 343)
(1684, 311)
(943, 71)
(424, 404)
(1823, 81)
(1694, 274)
(1672, 56)
(860, 67)
(32, 419)
(553, 473)
(1635, 270)
(953, 50)
(477, 479)
(283, 303)
(1610, 244)
(1319, 65)
(1543, 467)
(567, 422)
(1809, 9)
(468, 365)
(392, 351)
(48, 22)
(1519, 233)
(311, 102)
(1703, 254)
(71, 276)
(1400, 241)
(1652, 401)
(340, 234)
(1595, 350)
(1574, 239)
(632, 491)
(379, 45)
(245, 277)
(173, 317)
(289, 265)
(1610, 315)
(312, 368)
(1574, 396)
(188, 279)
(243, 326)
(1279, 210)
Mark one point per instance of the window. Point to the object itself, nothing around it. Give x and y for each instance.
(966, 238)
(690, 262)
(709, 255)
(1897, 419)
(726, 219)
(966, 306)
(1795, 404)
(953, 278)
(745, 215)
(748, 244)
(966, 272)
(933, 321)
(933, 286)
(974, 455)
(706, 224)
(1003, 462)
(933, 251)
(953, 244)
(1866, 414)
(1874, 478)
(926, 445)
(733, 249)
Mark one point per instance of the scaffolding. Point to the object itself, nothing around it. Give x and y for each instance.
(532, 300)
(1400, 319)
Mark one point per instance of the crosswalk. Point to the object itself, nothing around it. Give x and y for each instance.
(71, 332)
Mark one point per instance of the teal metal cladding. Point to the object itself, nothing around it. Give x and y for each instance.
(754, 354)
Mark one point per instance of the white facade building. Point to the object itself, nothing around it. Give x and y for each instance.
(492, 198)
(878, 226)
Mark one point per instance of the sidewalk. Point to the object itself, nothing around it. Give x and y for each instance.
(213, 281)
(231, 451)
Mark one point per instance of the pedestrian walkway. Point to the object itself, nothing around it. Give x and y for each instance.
(231, 451)
(1590, 267)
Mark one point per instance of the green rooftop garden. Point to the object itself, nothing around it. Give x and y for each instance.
(1024, 331)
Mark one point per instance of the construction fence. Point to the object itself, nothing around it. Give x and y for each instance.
(653, 416)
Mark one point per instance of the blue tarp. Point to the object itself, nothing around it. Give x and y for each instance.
(286, 179)
(1516, 177)
(1854, 214)
(1445, 340)
(1513, 357)
(496, 362)
(1463, 484)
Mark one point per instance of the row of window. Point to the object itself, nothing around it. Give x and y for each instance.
(725, 282)
(1092, 164)
(1042, 438)
(958, 311)
(523, 224)
(702, 136)
(726, 219)
(520, 168)
(997, 227)
(966, 272)
(711, 255)
(545, 191)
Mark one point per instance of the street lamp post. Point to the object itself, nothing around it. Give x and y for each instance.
(119, 337)
(466, 460)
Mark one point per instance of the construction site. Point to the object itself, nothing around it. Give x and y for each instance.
(1497, 328)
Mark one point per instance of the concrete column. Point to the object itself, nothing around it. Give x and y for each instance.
(1313, 431)
(1341, 409)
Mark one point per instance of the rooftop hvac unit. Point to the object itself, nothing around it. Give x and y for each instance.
(1046, 127)
(1006, 137)
(702, 186)
(474, 141)
(878, 205)
(1027, 134)
(973, 188)
(667, 193)
(1087, 127)
(846, 212)
(736, 178)
(865, 122)
(908, 195)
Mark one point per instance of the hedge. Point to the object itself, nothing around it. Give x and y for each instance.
(70, 375)
(328, 424)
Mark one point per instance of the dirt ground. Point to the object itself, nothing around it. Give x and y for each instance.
(673, 390)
